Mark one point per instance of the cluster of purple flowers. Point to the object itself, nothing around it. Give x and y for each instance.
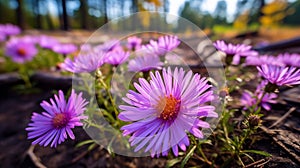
(235, 52)
(23, 49)
(276, 71)
(112, 52)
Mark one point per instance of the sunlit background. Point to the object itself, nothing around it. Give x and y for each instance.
(91, 14)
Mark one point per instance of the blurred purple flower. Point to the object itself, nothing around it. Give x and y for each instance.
(249, 99)
(162, 46)
(64, 48)
(9, 29)
(61, 116)
(2, 37)
(289, 59)
(145, 63)
(235, 51)
(279, 76)
(116, 57)
(83, 63)
(85, 48)
(108, 46)
(19, 50)
(263, 59)
(163, 110)
(134, 43)
(47, 42)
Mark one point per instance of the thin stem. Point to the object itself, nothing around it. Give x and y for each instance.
(109, 95)
(203, 155)
(25, 76)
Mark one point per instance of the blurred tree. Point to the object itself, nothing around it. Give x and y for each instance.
(104, 10)
(220, 12)
(83, 14)
(274, 13)
(20, 14)
(293, 19)
(36, 10)
(65, 15)
(7, 14)
(241, 22)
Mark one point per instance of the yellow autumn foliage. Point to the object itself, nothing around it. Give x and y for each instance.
(274, 13)
(242, 20)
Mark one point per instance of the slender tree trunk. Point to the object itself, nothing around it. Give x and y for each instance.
(20, 14)
(65, 15)
(262, 3)
(105, 11)
(38, 15)
(84, 15)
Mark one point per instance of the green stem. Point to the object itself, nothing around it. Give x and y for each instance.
(258, 102)
(203, 155)
(25, 76)
(109, 95)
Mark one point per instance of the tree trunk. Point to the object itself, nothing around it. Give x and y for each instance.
(20, 14)
(84, 15)
(105, 11)
(38, 15)
(65, 15)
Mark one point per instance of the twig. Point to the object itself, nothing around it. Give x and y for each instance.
(283, 117)
(202, 159)
(258, 162)
(34, 158)
(260, 165)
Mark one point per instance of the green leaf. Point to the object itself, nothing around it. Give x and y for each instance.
(84, 143)
(188, 156)
(263, 153)
(172, 162)
(92, 146)
(250, 157)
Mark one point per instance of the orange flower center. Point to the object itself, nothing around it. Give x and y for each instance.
(21, 51)
(60, 120)
(168, 107)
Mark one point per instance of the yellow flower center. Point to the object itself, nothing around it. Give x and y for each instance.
(168, 107)
(60, 120)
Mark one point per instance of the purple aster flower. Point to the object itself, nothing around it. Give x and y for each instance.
(9, 29)
(116, 57)
(108, 46)
(47, 42)
(53, 126)
(162, 46)
(234, 52)
(289, 59)
(134, 43)
(86, 48)
(145, 63)
(64, 48)
(249, 99)
(277, 75)
(83, 62)
(2, 37)
(263, 59)
(164, 109)
(20, 51)
(31, 39)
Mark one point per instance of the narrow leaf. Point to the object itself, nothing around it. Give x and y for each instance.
(188, 156)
